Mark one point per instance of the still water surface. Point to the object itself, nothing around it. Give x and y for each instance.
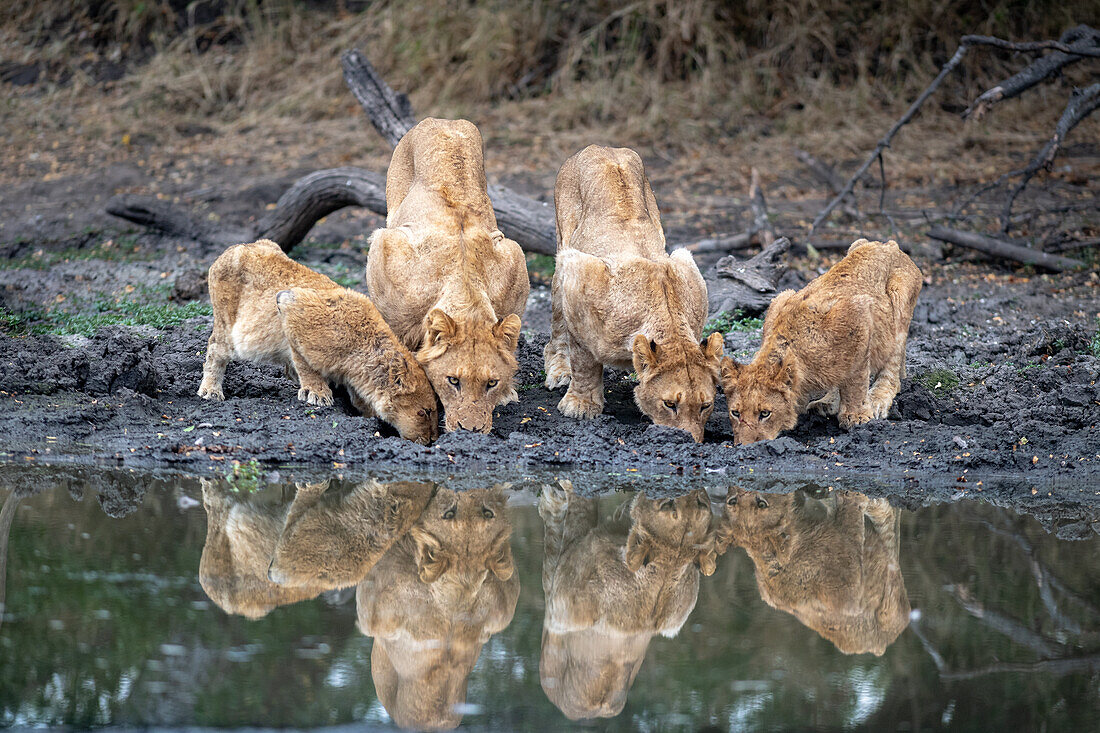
(533, 606)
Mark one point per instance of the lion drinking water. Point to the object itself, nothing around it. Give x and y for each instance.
(618, 299)
(269, 308)
(444, 277)
(833, 336)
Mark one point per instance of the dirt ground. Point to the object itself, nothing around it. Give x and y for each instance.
(1002, 398)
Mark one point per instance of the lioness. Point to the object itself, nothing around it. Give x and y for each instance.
(833, 336)
(829, 558)
(240, 537)
(269, 308)
(433, 601)
(610, 586)
(618, 299)
(335, 538)
(444, 277)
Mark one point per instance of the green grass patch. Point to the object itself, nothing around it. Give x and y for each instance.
(939, 381)
(1094, 345)
(119, 249)
(731, 321)
(57, 322)
(540, 266)
(245, 477)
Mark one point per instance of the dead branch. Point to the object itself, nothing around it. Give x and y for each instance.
(1080, 38)
(746, 285)
(760, 221)
(965, 44)
(723, 244)
(1006, 250)
(390, 112)
(1082, 103)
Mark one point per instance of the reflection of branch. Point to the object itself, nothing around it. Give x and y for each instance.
(7, 514)
(1010, 627)
(1050, 666)
(1047, 581)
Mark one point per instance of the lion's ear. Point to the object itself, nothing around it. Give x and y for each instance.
(439, 326)
(645, 354)
(500, 559)
(638, 547)
(430, 562)
(506, 331)
(712, 346)
(399, 375)
(730, 370)
(707, 560)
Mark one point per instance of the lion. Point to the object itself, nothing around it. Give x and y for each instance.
(433, 601)
(610, 586)
(335, 538)
(444, 277)
(269, 308)
(833, 336)
(829, 558)
(618, 299)
(240, 539)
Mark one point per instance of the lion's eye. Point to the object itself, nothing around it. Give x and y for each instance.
(426, 412)
(765, 414)
(731, 500)
(761, 503)
(454, 382)
(487, 512)
(735, 414)
(449, 514)
(670, 405)
(704, 407)
(491, 383)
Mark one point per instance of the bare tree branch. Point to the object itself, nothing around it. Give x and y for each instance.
(1083, 103)
(1000, 248)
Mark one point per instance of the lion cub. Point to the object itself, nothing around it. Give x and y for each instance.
(831, 337)
(443, 276)
(618, 299)
(269, 308)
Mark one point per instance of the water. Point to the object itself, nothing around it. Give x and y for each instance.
(816, 609)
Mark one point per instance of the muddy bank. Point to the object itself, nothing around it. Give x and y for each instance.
(1001, 384)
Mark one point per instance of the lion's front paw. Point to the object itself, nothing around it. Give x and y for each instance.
(828, 405)
(855, 417)
(880, 408)
(573, 405)
(211, 393)
(317, 395)
(558, 373)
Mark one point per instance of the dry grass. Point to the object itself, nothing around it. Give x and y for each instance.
(676, 76)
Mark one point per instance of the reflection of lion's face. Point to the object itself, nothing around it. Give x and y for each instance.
(671, 530)
(463, 535)
(830, 558)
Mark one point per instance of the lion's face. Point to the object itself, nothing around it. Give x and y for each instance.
(471, 367)
(761, 400)
(463, 535)
(415, 413)
(676, 386)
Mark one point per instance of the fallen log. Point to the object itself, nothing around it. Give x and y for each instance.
(1005, 250)
(748, 286)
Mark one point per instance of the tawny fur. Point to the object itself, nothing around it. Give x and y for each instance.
(240, 538)
(433, 601)
(335, 538)
(834, 336)
(444, 277)
(269, 308)
(830, 560)
(618, 299)
(610, 586)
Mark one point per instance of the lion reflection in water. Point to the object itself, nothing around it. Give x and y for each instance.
(829, 558)
(432, 567)
(610, 586)
(433, 601)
